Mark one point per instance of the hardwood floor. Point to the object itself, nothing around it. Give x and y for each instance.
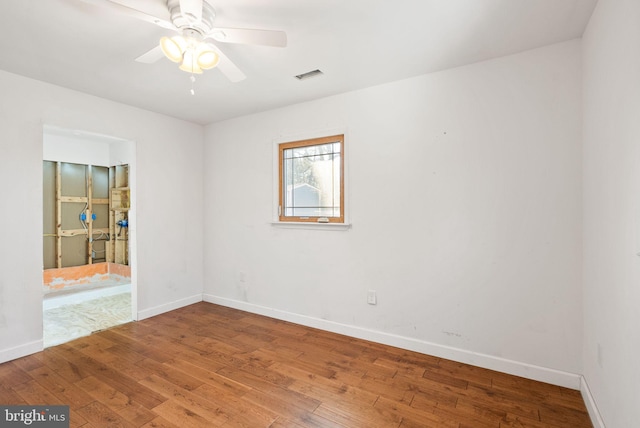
(206, 365)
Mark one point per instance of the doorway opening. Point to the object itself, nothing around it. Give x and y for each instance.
(88, 211)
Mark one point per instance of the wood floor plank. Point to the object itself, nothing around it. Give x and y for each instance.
(562, 416)
(286, 348)
(159, 422)
(206, 365)
(9, 396)
(405, 368)
(123, 365)
(289, 360)
(120, 403)
(283, 423)
(513, 403)
(99, 415)
(54, 359)
(170, 373)
(410, 423)
(319, 421)
(477, 412)
(141, 344)
(29, 362)
(430, 399)
(210, 410)
(12, 375)
(185, 417)
(114, 378)
(397, 411)
(34, 393)
(59, 386)
(473, 374)
(244, 413)
(519, 421)
(445, 379)
(341, 417)
(471, 415)
(272, 396)
(221, 383)
(76, 420)
(360, 416)
(338, 363)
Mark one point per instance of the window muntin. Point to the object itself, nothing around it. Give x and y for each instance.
(312, 180)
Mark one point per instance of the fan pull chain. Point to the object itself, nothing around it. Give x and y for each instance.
(192, 77)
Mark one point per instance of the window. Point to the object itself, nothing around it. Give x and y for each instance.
(312, 180)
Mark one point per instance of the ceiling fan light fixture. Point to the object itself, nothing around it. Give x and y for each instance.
(190, 69)
(207, 58)
(191, 53)
(190, 64)
(173, 48)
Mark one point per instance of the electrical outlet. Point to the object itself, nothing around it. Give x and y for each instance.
(372, 298)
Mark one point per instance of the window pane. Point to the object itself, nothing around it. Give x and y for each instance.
(311, 181)
(336, 181)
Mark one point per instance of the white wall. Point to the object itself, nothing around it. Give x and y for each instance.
(67, 145)
(169, 207)
(465, 199)
(64, 146)
(120, 153)
(611, 47)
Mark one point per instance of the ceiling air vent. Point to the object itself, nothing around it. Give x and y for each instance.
(309, 74)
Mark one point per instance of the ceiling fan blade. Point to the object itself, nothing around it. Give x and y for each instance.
(227, 67)
(126, 10)
(250, 36)
(151, 56)
(191, 10)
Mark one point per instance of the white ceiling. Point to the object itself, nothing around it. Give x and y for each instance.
(356, 43)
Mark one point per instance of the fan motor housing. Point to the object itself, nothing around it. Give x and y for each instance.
(183, 21)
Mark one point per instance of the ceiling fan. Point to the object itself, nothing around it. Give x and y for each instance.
(192, 47)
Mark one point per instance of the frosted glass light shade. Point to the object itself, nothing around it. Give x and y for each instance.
(207, 58)
(192, 54)
(172, 47)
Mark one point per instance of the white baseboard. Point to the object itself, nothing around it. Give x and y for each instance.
(529, 371)
(157, 310)
(590, 402)
(21, 351)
